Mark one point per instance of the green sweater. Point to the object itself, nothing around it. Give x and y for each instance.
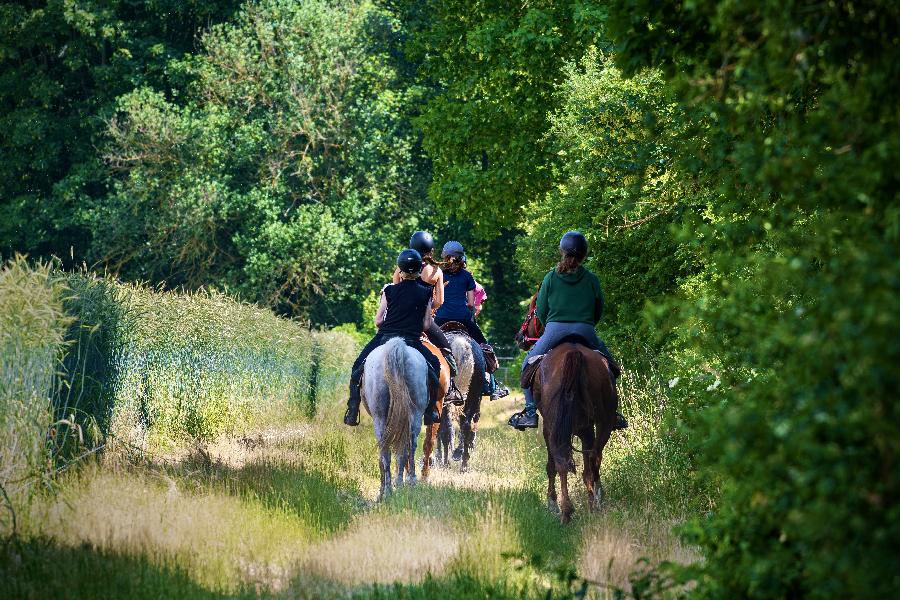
(574, 297)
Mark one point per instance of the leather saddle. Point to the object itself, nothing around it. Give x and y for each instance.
(454, 327)
(491, 363)
(534, 362)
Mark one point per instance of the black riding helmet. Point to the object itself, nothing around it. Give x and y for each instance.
(421, 242)
(410, 261)
(574, 244)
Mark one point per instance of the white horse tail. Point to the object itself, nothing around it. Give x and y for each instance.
(461, 347)
(401, 407)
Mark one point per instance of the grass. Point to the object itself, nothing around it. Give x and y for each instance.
(290, 512)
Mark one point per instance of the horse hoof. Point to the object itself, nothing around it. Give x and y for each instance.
(457, 454)
(464, 469)
(553, 507)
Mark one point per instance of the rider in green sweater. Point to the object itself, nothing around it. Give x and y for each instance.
(569, 303)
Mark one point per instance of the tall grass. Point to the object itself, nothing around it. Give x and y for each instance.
(32, 333)
(90, 363)
(154, 368)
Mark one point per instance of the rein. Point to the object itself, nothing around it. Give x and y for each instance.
(524, 329)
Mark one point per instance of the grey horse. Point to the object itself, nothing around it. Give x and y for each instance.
(395, 393)
(470, 359)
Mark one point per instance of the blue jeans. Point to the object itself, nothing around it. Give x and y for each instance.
(552, 336)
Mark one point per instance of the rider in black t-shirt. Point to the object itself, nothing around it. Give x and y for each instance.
(404, 311)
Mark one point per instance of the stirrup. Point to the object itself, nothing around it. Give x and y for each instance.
(501, 391)
(516, 421)
(454, 395)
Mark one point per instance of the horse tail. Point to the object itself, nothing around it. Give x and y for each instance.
(396, 434)
(570, 386)
(465, 362)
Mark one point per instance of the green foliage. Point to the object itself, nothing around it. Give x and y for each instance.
(62, 65)
(795, 316)
(492, 66)
(284, 169)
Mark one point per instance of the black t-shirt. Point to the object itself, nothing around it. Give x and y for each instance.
(407, 302)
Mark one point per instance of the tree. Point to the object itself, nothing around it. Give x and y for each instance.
(795, 139)
(61, 68)
(285, 170)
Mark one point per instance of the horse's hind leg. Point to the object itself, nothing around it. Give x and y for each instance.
(384, 465)
(552, 503)
(428, 449)
(411, 457)
(590, 471)
(566, 504)
(465, 426)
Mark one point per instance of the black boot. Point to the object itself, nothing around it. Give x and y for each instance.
(351, 417)
(431, 415)
(523, 421)
(621, 423)
(451, 361)
(498, 390)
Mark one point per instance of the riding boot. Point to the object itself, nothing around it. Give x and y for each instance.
(498, 390)
(527, 419)
(351, 417)
(431, 415)
(451, 361)
(621, 423)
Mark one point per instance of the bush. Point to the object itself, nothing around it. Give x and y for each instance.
(794, 136)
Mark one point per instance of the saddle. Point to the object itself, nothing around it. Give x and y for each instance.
(491, 363)
(534, 363)
(454, 327)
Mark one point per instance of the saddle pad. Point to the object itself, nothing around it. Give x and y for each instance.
(490, 359)
(529, 371)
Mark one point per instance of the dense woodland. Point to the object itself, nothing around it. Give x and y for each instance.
(733, 165)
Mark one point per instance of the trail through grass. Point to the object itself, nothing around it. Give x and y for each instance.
(290, 512)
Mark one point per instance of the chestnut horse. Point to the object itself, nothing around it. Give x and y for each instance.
(531, 328)
(576, 396)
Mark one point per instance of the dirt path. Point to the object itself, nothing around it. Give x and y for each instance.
(290, 511)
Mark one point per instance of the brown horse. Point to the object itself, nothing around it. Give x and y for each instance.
(531, 328)
(576, 397)
(431, 431)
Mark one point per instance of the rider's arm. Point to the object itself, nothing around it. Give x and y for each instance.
(438, 297)
(382, 310)
(598, 303)
(426, 323)
(396, 277)
(543, 304)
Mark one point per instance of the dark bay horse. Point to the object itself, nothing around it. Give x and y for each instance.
(576, 396)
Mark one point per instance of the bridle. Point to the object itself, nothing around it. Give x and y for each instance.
(524, 329)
